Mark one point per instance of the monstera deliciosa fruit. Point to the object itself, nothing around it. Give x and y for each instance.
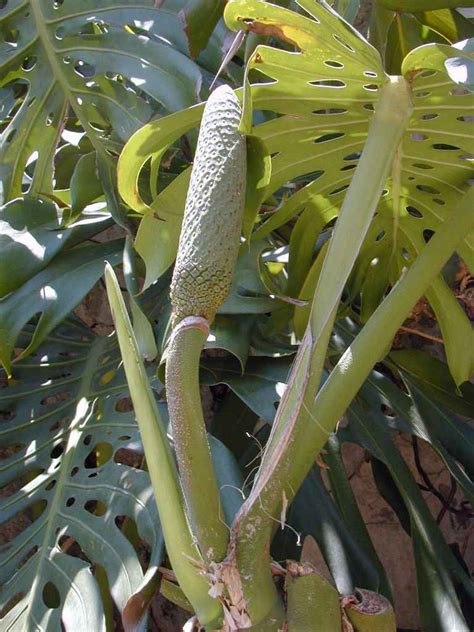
(323, 80)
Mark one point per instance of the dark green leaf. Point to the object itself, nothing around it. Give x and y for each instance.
(447, 22)
(77, 477)
(53, 292)
(200, 18)
(436, 379)
(30, 236)
(260, 387)
(345, 500)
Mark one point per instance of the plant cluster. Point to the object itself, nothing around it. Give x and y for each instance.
(283, 192)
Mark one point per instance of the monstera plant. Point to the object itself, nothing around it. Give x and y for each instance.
(349, 198)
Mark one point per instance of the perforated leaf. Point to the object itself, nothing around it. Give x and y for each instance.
(324, 90)
(58, 55)
(73, 493)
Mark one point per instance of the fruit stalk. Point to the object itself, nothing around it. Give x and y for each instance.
(207, 252)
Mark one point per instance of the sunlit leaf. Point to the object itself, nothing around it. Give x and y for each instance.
(57, 57)
(72, 493)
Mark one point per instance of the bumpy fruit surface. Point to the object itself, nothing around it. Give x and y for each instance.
(212, 223)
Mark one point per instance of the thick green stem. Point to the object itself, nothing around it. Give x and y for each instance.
(282, 460)
(183, 553)
(196, 470)
(320, 414)
(358, 360)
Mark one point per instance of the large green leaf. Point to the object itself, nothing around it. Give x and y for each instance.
(71, 441)
(32, 234)
(60, 57)
(323, 92)
(53, 292)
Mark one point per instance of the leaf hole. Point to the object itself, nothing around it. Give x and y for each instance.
(87, 439)
(124, 405)
(414, 212)
(27, 556)
(459, 92)
(422, 165)
(99, 455)
(342, 42)
(10, 136)
(50, 485)
(445, 147)
(387, 411)
(58, 4)
(355, 156)
(29, 63)
(427, 234)
(95, 507)
(333, 64)
(20, 90)
(74, 471)
(83, 69)
(70, 501)
(331, 111)
(348, 168)
(439, 201)
(107, 377)
(369, 107)
(421, 94)
(62, 396)
(380, 236)
(405, 254)
(7, 415)
(51, 596)
(59, 424)
(125, 456)
(325, 138)
(11, 36)
(339, 189)
(370, 73)
(49, 120)
(427, 189)
(429, 117)
(57, 451)
(418, 137)
(371, 87)
(328, 83)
